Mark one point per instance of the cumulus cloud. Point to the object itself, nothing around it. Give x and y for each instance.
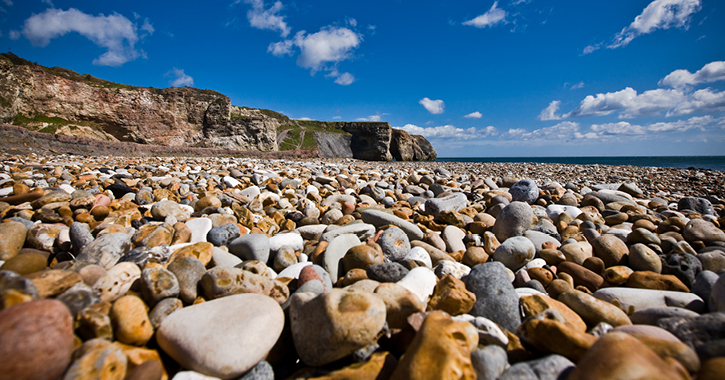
(659, 14)
(450, 132)
(711, 72)
(559, 132)
(261, 17)
(433, 106)
(321, 51)
(179, 78)
(625, 129)
(117, 34)
(705, 100)
(474, 115)
(492, 17)
(550, 112)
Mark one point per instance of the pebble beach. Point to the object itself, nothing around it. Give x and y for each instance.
(194, 268)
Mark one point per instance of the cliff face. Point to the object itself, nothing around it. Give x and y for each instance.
(63, 102)
(32, 94)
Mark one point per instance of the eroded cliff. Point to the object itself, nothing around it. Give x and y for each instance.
(63, 102)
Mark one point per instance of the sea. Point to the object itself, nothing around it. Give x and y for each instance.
(679, 162)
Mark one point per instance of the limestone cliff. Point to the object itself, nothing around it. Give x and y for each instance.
(33, 95)
(63, 102)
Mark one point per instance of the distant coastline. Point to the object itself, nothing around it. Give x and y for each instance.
(679, 162)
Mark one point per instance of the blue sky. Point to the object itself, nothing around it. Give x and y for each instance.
(477, 78)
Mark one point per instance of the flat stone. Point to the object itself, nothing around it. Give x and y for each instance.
(161, 210)
(702, 230)
(631, 300)
(37, 340)
(387, 272)
(577, 252)
(117, 281)
(221, 282)
(552, 336)
(655, 281)
(496, 298)
(291, 240)
(651, 315)
(201, 337)
(380, 218)
(105, 250)
(163, 309)
(453, 202)
(26, 263)
(330, 326)
(223, 235)
(336, 250)
(362, 230)
(536, 304)
(594, 311)
(54, 281)
(251, 247)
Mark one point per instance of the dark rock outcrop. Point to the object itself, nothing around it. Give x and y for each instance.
(370, 140)
(334, 145)
(407, 147)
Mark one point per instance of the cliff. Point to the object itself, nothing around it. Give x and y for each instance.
(63, 102)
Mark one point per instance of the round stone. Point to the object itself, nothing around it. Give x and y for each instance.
(513, 220)
(386, 272)
(223, 235)
(611, 249)
(12, 239)
(202, 337)
(361, 256)
(524, 191)
(37, 340)
(131, 324)
(188, 272)
(26, 263)
(157, 284)
(515, 252)
(395, 243)
(642, 258)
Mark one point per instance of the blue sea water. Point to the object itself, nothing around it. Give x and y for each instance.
(679, 162)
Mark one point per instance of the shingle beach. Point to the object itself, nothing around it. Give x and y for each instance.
(242, 268)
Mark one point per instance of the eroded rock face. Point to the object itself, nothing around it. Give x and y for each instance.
(370, 140)
(407, 147)
(170, 117)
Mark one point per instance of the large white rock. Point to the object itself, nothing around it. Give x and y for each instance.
(289, 239)
(225, 337)
(199, 228)
(631, 300)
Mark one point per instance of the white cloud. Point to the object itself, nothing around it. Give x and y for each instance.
(559, 132)
(179, 78)
(14, 34)
(492, 17)
(49, 2)
(603, 104)
(625, 129)
(376, 117)
(147, 26)
(329, 45)
(577, 86)
(474, 115)
(659, 14)
(550, 112)
(323, 50)
(267, 18)
(9, 3)
(705, 100)
(591, 49)
(433, 106)
(115, 32)
(711, 72)
(344, 79)
(450, 132)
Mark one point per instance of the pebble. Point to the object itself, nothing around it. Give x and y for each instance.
(251, 247)
(336, 250)
(193, 336)
(37, 340)
(513, 220)
(496, 298)
(333, 325)
(515, 252)
(119, 216)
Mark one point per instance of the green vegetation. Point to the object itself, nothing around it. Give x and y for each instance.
(321, 126)
(238, 116)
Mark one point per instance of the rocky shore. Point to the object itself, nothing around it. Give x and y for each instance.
(242, 268)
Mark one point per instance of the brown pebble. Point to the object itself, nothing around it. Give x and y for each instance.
(26, 263)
